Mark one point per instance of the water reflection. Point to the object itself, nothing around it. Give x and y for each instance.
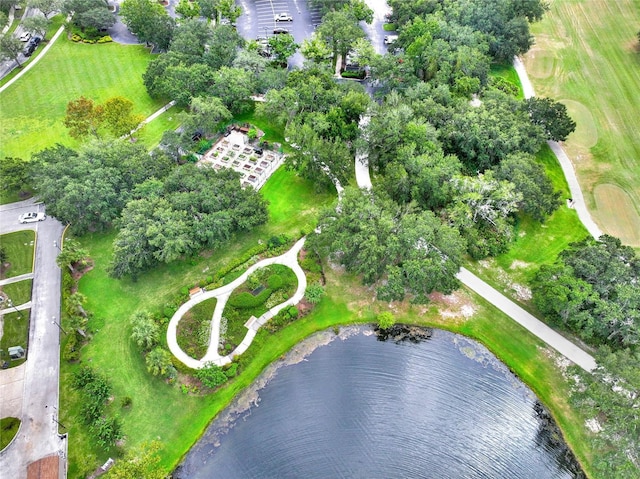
(360, 408)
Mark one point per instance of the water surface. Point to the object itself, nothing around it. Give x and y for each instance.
(361, 408)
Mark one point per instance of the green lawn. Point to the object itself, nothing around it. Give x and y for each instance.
(15, 332)
(159, 409)
(193, 330)
(18, 247)
(151, 133)
(508, 73)
(587, 56)
(19, 292)
(33, 108)
(8, 429)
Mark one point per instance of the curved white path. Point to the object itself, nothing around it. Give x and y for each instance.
(565, 163)
(289, 259)
(504, 304)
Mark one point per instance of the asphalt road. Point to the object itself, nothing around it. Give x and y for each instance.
(38, 435)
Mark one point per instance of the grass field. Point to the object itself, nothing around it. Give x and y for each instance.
(15, 332)
(19, 292)
(587, 56)
(161, 410)
(18, 247)
(34, 107)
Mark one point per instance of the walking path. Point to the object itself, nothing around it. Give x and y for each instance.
(222, 294)
(515, 312)
(34, 61)
(16, 279)
(567, 167)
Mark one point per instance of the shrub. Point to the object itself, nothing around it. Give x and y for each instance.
(386, 320)
(105, 39)
(158, 361)
(256, 250)
(126, 401)
(211, 375)
(232, 370)
(293, 312)
(76, 38)
(360, 74)
(275, 282)
(108, 430)
(83, 376)
(71, 350)
(309, 264)
(314, 293)
(145, 331)
(246, 300)
(253, 281)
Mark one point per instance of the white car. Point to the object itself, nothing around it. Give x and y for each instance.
(25, 36)
(32, 217)
(283, 17)
(389, 39)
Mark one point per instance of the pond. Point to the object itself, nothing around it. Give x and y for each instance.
(356, 407)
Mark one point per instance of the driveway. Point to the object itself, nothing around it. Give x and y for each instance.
(38, 435)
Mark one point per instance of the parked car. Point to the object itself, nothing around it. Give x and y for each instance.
(32, 217)
(389, 39)
(35, 40)
(28, 49)
(283, 17)
(280, 31)
(25, 36)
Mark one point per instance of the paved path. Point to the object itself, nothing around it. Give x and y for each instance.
(16, 279)
(222, 294)
(34, 61)
(504, 304)
(567, 167)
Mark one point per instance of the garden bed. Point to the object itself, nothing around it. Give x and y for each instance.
(194, 329)
(279, 283)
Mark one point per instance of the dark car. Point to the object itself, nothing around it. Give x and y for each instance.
(31, 46)
(280, 31)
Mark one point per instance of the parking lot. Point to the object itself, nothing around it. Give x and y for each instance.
(257, 20)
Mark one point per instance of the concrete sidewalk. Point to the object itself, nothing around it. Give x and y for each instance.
(222, 294)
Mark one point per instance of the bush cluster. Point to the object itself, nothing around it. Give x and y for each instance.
(95, 390)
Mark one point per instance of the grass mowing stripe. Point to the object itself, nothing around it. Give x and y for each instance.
(33, 108)
(587, 53)
(18, 247)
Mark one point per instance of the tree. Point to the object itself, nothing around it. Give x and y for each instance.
(223, 47)
(211, 375)
(36, 23)
(340, 29)
(188, 9)
(89, 13)
(481, 210)
(413, 253)
(72, 254)
(551, 116)
(158, 361)
(10, 48)
(141, 462)
(609, 395)
(99, 18)
(282, 47)
(83, 118)
(118, 116)
(47, 7)
(229, 10)
(149, 21)
(182, 83)
(209, 9)
(315, 49)
(189, 40)
(145, 331)
(14, 173)
(234, 87)
(205, 115)
(539, 199)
